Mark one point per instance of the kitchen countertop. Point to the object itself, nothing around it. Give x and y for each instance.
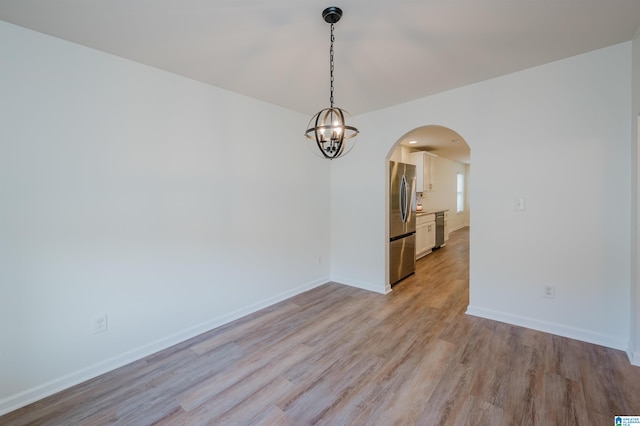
(432, 211)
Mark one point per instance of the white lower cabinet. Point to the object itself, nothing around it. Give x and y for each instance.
(421, 240)
(431, 235)
(425, 234)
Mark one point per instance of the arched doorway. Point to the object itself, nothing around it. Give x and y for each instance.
(448, 189)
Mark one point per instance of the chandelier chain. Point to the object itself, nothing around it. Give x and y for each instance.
(331, 66)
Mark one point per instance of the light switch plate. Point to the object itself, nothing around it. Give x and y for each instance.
(100, 323)
(549, 291)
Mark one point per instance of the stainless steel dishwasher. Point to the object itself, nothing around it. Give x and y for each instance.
(439, 229)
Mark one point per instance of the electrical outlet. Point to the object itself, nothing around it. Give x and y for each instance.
(99, 323)
(549, 291)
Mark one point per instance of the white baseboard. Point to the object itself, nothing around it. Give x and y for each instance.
(34, 394)
(457, 228)
(360, 284)
(550, 327)
(634, 357)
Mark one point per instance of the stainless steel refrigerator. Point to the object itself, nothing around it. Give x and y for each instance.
(402, 221)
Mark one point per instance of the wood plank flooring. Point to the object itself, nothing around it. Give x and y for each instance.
(337, 355)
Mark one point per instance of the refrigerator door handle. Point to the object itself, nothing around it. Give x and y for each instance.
(407, 201)
(403, 198)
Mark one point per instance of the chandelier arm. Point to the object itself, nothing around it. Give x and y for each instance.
(319, 141)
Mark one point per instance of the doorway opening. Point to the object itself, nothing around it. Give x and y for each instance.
(443, 163)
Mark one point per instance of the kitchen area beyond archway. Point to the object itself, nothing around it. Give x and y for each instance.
(429, 169)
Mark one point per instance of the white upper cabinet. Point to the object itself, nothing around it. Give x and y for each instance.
(425, 170)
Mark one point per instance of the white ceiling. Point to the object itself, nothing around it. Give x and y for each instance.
(438, 140)
(386, 52)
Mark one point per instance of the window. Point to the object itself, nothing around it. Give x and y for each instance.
(459, 192)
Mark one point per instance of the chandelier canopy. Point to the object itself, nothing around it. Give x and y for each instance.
(328, 128)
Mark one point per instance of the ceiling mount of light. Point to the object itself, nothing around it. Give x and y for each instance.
(328, 128)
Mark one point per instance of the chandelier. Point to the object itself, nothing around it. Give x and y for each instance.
(328, 128)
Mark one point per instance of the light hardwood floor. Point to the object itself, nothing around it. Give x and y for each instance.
(337, 355)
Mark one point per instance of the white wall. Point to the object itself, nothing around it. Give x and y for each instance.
(467, 191)
(444, 196)
(401, 154)
(557, 135)
(170, 205)
(634, 344)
